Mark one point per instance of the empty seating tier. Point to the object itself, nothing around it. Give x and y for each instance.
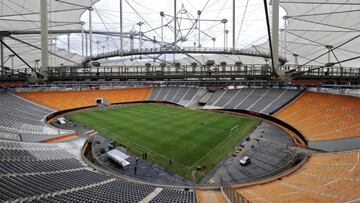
(64, 100)
(14, 187)
(321, 116)
(252, 99)
(174, 195)
(213, 196)
(34, 172)
(18, 116)
(114, 191)
(323, 178)
(24, 166)
(185, 96)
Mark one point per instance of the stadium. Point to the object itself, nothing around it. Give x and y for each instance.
(184, 101)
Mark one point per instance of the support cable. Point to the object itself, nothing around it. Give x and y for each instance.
(326, 13)
(325, 24)
(102, 20)
(342, 44)
(313, 2)
(37, 13)
(269, 35)
(21, 59)
(74, 4)
(318, 6)
(145, 21)
(242, 22)
(332, 51)
(31, 45)
(316, 43)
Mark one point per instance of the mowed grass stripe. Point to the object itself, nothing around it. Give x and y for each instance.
(188, 137)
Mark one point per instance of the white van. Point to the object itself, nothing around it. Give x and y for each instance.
(245, 161)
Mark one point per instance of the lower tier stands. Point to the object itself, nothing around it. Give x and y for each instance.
(271, 151)
(15, 187)
(321, 116)
(173, 195)
(63, 100)
(112, 191)
(18, 116)
(322, 178)
(9, 136)
(33, 172)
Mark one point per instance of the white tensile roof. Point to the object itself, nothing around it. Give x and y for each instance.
(24, 15)
(311, 25)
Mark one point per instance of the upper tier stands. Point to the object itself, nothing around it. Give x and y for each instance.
(185, 96)
(63, 100)
(323, 178)
(321, 116)
(54, 173)
(18, 116)
(258, 100)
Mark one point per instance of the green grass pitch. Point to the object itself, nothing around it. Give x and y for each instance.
(190, 138)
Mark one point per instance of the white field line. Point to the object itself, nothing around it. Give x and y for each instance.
(149, 150)
(247, 125)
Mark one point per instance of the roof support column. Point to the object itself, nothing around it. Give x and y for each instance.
(296, 60)
(55, 42)
(224, 21)
(140, 35)
(329, 48)
(131, 42)
(162, 33)
(86, 45)
(2, 58)
(199, 31)
(175, 29)
(275, 34)
(68, 46)
(121, 27)
(224, 36)
(154, 49)
(90, 32)
(285, 42)
(233, 27)
(82, 40)
(12, 60)
(44, 38)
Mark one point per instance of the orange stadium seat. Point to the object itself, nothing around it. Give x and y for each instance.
(321, 116)
(64, 100)
(211, 196)
(323, 178)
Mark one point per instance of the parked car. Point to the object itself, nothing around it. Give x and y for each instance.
(245, 161)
